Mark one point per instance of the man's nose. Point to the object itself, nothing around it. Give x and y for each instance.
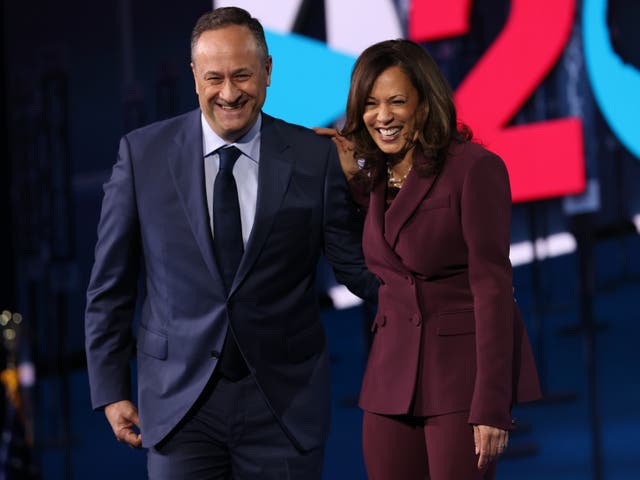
(230, 93)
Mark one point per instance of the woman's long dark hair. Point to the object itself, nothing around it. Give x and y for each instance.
(436, 118)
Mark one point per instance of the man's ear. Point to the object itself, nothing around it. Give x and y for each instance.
(269, 67)
(195, 80)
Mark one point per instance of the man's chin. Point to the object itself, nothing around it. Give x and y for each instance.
(232, 132)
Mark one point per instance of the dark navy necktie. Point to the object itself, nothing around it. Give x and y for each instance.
(228, 248)
(227, 228)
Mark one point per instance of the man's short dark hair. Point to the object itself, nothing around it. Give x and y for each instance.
(225, 16)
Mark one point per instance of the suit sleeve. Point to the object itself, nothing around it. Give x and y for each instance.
(486, 223)
(359, 194)
(112, 291)
(343, 234)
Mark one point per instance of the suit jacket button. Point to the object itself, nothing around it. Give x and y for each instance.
(416, 320)
(215, 353)
(409, 279)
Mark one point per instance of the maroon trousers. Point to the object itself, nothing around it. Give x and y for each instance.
(416, 448)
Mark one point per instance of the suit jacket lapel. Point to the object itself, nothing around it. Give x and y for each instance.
(411, 195)
(187, 168)
(386, 225)
(376, 232)
(276, 165)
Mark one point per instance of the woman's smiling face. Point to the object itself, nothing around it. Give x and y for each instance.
(390, 112)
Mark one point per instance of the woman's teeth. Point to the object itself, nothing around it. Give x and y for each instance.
(388, 132)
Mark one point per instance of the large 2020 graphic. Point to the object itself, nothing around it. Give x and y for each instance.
(310, 79)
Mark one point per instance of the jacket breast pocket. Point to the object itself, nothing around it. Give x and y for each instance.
(153, 344)
(435, 202)
(306, 343)
(458, 322)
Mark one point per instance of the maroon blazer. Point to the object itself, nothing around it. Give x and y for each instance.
(448, 334)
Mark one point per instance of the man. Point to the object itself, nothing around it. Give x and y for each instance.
(233, 373)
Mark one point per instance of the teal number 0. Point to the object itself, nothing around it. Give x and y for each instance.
(616, 85)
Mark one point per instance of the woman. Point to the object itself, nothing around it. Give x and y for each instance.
(450, 354)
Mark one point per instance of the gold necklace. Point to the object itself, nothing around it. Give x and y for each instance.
(396, 182)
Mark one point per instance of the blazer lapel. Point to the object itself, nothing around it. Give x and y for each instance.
(374, 233)
(276, 165)
(187, 168)
(411, 195)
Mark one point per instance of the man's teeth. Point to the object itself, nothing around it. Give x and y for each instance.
(229, 107)
(389, 131)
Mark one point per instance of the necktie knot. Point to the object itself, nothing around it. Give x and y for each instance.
(228, 157)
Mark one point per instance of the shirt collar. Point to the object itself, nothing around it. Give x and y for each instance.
(249, 144)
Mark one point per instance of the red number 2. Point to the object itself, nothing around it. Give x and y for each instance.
(544, 159)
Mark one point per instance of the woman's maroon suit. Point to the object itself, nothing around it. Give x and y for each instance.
(448, 333)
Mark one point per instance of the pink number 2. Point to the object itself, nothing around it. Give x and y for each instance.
(544, 159)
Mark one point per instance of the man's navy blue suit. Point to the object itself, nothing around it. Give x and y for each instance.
(155, 223)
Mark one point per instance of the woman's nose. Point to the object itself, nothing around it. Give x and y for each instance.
(384, 114)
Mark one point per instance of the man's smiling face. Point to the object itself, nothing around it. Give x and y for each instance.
(231, 79)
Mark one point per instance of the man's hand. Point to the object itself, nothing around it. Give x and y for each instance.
(122, 417)
(490, 442)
